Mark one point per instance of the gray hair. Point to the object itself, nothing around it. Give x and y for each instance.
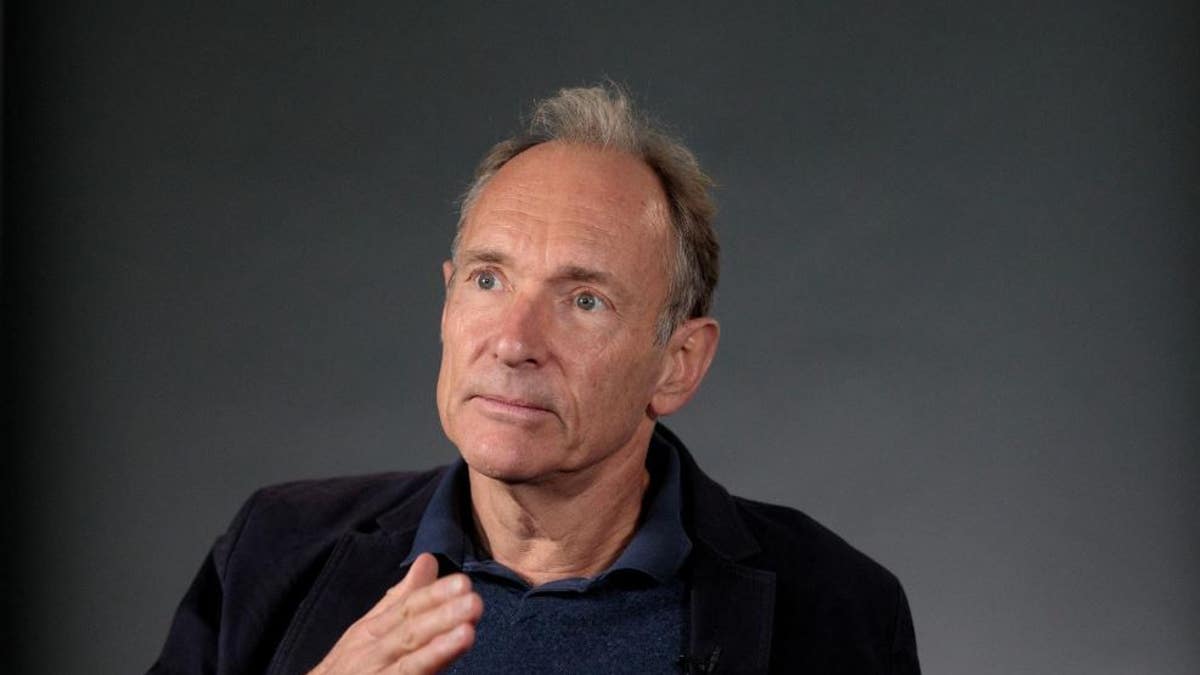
(604, 116)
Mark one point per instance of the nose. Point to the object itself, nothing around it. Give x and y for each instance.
(521, 338)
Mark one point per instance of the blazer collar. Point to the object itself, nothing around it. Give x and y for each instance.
(710, 509)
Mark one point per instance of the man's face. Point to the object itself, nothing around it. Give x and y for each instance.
(549, 360)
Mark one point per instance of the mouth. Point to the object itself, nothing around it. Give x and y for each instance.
(507, 408)
(514, 402)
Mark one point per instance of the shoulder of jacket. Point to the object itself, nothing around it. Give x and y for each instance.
(308, 516)
(796, 544)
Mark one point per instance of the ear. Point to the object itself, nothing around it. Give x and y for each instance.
(688, 355)
(447, 272)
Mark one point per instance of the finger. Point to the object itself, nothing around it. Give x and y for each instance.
(419, 601)
(419, 629)
(421, 573)
(430, 599)
(439, 652)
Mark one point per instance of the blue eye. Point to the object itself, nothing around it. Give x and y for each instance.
(588, 302)
(486, 280)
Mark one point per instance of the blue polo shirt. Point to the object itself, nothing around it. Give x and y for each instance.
(629, 618)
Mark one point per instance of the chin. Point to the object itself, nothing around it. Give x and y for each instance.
(508, 455)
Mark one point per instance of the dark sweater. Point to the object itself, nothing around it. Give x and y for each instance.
(628, 625)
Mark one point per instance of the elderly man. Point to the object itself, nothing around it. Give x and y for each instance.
(576, 534)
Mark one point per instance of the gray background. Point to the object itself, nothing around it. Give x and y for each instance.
(959, 295)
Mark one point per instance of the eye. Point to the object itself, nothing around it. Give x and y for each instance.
(588, 302)
(486, 280)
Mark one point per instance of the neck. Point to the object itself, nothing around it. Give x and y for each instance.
(573, 525)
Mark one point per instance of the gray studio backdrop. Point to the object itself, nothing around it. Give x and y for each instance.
(959, 295)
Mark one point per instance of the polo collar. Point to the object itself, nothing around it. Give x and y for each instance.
(658, 549)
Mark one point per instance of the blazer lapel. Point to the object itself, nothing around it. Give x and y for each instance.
(732, 603)
(732, 611)
(359, 571)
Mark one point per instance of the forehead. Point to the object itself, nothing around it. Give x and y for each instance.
(570, 200)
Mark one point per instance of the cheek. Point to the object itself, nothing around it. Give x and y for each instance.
(459, 324)
(455, 352)
(445, 380)
(618, 381)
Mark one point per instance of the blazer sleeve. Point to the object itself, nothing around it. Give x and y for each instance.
(904, 639)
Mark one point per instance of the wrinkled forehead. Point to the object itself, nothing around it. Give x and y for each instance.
(571, 200)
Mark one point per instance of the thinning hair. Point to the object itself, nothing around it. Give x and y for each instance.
(605, 117)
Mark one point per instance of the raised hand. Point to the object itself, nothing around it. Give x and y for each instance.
(419, 626)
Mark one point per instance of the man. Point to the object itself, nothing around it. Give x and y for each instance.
(576, 534)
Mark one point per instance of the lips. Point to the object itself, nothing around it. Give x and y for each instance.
(511, 409)
(512, 402)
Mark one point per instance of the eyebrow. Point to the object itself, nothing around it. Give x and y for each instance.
(584, 274)
(577, 273)
(483, 255)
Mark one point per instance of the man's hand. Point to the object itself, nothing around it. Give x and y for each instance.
(420, 626)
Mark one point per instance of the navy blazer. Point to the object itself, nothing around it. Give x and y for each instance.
(771, 590)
